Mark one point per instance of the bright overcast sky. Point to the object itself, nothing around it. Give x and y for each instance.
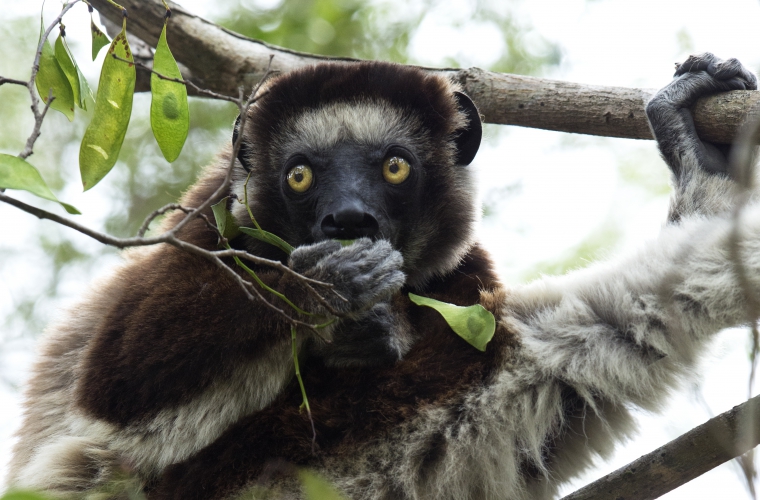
(563, 188)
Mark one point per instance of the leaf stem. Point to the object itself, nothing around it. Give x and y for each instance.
(266, 287)
(305, 403)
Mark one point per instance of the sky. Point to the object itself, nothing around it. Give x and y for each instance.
(552, 191)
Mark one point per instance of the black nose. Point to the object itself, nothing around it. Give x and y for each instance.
(348, 223)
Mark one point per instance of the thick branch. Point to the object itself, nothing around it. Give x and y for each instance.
(703, 448)
(220, 60)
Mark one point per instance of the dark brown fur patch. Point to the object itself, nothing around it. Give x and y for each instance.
(351, 407)
(180, 324)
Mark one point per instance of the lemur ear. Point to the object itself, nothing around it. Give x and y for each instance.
(244, 149)
(468, 140)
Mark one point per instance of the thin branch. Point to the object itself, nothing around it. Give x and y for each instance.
(199, 90)
(4, 80)
(243, 108)
(703, 448)
(170, 238)
(222, 61)
(39, 116)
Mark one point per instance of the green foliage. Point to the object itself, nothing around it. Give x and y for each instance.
(78, 82)
(99, 39)
(16, 173)
(113, 107)
(347, 28)
(51, 79)
(169, 114)
(225, 222)
(580, 256)
(24, 495)
(475, 324)
(522, 54)
(268, 237)
(315, 487)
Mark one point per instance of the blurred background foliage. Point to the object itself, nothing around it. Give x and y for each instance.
(142, 180)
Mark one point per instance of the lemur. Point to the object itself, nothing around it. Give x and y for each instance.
(168, 370)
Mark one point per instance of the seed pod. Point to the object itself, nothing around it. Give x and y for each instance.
(169, 115)
(113, 106)
(99, 39)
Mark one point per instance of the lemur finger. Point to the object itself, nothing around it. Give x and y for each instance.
(305, 257)
(732, 69)
(694, 63)
(364, 273)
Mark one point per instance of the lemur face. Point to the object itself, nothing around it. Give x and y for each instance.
(349, 159)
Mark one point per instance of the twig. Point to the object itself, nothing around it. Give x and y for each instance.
(703, 448)
(199, 90)
(243, 109)
(12, 81)
(170, 238)
(156, 213)
(168, 208)
(39, 116)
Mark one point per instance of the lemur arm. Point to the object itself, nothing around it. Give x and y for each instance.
(622, 331)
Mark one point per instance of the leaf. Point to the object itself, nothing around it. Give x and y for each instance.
(51, 76)
(16, 173)
(225, 222)
(77, 81)
(99, 39)
(315, 487)
(24, 495)
(84, 89)
(474, 324)
(346, 243)
(169, 115)
(113, 106)
(268, 237)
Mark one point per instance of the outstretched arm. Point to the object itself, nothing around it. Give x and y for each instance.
(625, 331)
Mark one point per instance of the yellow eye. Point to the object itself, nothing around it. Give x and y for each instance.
(300, 178)
(396, 169)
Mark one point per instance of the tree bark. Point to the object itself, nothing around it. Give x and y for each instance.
(703, 448)
(223, 61)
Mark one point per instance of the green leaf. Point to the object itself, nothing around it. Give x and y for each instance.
(169, 115)
(77, 81)
(16, 173)
(99, 39)
(268, 237)
(315, 487)
(113, 106)
(85, 91)
(346, 243)
(225, 222)
(51, 76)
(475, 324)
(24, 495)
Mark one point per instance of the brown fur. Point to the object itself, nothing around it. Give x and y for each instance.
(355, 407)
(171, 329)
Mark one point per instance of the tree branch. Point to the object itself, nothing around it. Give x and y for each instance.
(221, 61)
(703, 448)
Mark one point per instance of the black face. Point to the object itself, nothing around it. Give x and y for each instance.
(352, 190)
(412, 189)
